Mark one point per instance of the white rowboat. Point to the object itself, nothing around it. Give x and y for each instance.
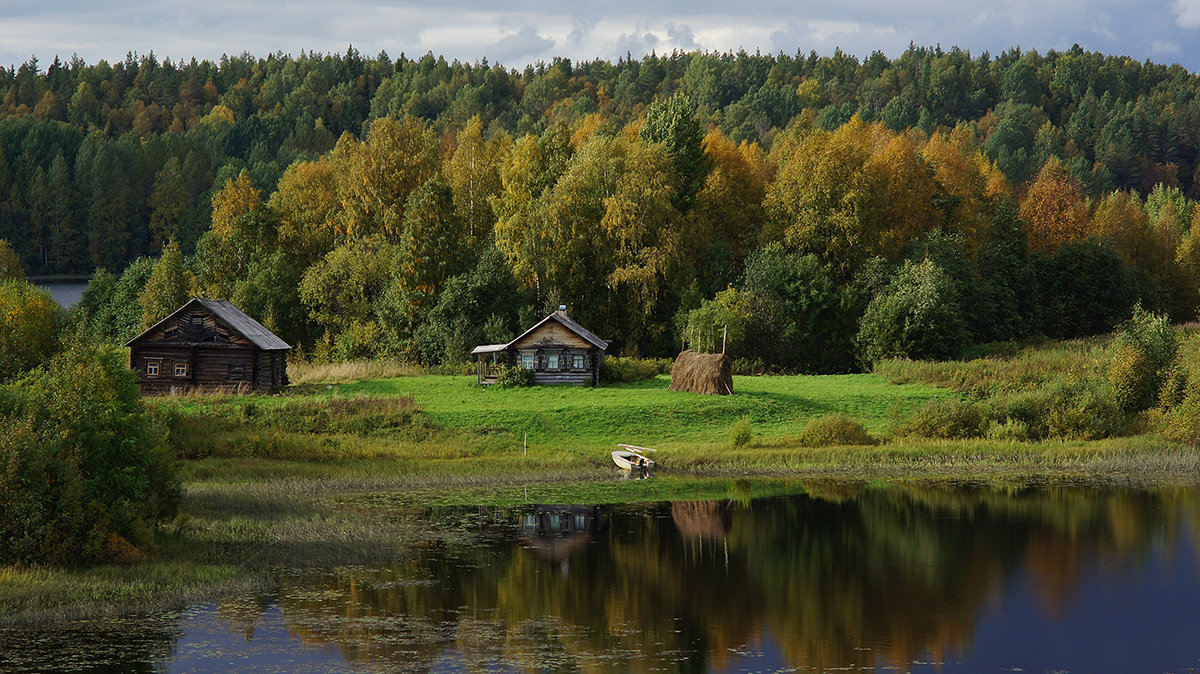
(629, 457)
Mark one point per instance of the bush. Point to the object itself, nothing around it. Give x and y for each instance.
(740, 432)
(1064, 408)
(838, 428)
(81, 465)
(1145, 349)
(1008, 430)
(1174, 389)
(29, 329)
(949, 419)
(616, 369)
(510, 377)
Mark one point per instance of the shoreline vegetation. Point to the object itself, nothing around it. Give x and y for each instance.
(346, 465)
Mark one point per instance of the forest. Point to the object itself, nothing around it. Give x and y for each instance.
(820, 212)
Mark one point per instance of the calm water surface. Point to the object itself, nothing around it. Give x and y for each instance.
(843, 578)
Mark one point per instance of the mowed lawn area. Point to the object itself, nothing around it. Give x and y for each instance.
(647, 413)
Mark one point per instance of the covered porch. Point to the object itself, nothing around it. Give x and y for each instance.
(485, 371)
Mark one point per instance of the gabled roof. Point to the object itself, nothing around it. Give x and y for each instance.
(235, 318)
(561, 317)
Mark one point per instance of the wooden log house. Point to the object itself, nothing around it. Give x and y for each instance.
(557, 349)
(208, 345)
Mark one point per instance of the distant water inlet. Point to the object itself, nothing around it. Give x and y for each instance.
(840, 577)
(66, 293)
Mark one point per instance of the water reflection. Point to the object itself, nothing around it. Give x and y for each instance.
(842, 576)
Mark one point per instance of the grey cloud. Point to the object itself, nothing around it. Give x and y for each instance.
(635, 44)
(682, 36)
(524, 44)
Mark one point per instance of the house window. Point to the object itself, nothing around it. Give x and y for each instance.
(237, 371)
(527, 361)
(171, 333)
(181, 369)
(578, 361)
(552, 363)
(152, 368)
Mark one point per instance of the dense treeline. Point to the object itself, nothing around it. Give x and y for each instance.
(827, 211)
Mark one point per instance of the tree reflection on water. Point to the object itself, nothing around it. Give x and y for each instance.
(836, 576)
(839, 576)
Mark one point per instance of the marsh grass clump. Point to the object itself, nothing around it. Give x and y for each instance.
(740, 432)
(835, 429)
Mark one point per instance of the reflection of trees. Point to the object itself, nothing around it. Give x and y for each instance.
(856, 576)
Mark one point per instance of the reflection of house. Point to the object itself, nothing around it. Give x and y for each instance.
(555, 532)
(557, 349)
(208, 345)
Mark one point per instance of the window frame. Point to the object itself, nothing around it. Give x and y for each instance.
(553, 361)
(578, 361)
(152, 368)
(527, 361)
(181, 368)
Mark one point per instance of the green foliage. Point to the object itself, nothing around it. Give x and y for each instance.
(947, 419)
(618, 369)
(513, 377)
(1085, 289)
(29, 327)
(740, 432)
(118, 318)
(1144, 351)
(83, 477)
(916, 316)
(10, 263)
(1064, 408)
(168, 288)
(673, 123)
(835, 429)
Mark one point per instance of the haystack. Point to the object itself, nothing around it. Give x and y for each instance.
(707, 373)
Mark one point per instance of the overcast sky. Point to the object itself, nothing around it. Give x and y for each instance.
(518, 32)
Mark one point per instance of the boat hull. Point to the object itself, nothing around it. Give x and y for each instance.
(631, 460)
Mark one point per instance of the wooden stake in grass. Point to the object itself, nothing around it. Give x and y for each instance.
(527, 445)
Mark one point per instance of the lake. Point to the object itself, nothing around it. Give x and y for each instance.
(66, 293)
(841, 577)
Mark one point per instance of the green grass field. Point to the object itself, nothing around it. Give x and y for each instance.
(647, 413)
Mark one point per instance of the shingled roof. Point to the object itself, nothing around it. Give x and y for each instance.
(235, 318)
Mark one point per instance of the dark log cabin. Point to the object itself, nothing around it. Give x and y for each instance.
(557, 349)
(208, 345)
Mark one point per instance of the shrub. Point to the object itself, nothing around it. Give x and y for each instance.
(617, 369)
(1063, 408)
(740, 432)
(80, 462)
(1145, 349)
(1130, 380)
(510, 377)
(1009, 429)
(1081, 410)
(1174, 389)
(949, 419)
(29, 331)
(838, 428)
